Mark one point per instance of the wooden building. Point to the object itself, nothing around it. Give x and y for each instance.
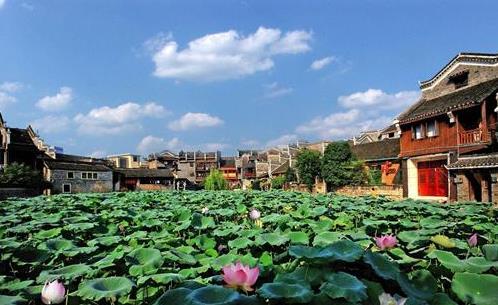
(195, 166)
(448, 138)
(229, 171)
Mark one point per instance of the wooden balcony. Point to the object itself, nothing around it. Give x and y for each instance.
(474, 137)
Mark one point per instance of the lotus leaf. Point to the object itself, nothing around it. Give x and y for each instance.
(105, 288)
(11, 300)
(70, 272)
(476, 289)
(144, 261)
(384, 268)
(343, 285)
(293, 293)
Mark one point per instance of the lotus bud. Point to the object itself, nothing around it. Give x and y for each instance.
(53, 293)
(472, 241)
(240, 276)
(255, 214)
(386, 242)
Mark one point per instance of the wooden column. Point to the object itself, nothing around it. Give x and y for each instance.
(484, 121)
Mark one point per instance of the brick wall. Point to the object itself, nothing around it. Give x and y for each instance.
(392, 191)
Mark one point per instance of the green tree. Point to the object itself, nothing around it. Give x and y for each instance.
(340, 167)
(20, 174)
(308, 166)
(277, 183)
(215, 181)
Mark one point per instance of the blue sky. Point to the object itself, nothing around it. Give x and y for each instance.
(103, 77)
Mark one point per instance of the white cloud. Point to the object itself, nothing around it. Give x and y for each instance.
(214, 146)
(193, 120)
(2, 3)
(250, 143)
(369, 110)
(10, 87)
(28, 6)
(321, 63)
(226, 55)
(57, 102)
(150, 144)
(282, 140)
(6, 99)
(274, 90)
(379, 99)
(51, 124)
(125, 117)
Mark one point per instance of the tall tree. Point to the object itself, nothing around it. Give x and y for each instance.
(340, 167)
(308, 166)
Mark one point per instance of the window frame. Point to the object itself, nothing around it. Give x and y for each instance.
(84, 175)
(414, 131)
(436, 129)
(95, 176)
(72, 175)
(64, 188)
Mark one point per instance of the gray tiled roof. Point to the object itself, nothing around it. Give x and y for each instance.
(478, 161)
(461, 99)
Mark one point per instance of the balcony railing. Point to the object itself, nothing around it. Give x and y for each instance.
(474, 136)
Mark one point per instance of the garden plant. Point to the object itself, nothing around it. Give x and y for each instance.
(235, 247)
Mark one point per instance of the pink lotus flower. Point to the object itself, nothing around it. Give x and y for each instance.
(386, 242)
(53, 293)
(472, 241)
(387, 299)
(255, 214)
(240, 276)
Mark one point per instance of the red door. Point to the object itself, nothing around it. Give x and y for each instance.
(432, 178)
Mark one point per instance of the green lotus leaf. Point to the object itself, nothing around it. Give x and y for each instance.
(442, 299)
(343, 250)
(298, 238)
(343, 285)
(312, 275)
(47, 234)
(29, 255)
(382, 266)
(9, 243)
(374, 290)
(104, 240)
(105, 288)
(11, 300)
(240, 243)
(161, 278)
(15, 285)
(443, 241)
(285, 292)
(69, 273)
(274, 239)
(479, 264)
(326, 238)
(401, 257)
(490, 252)
(212, 295)
(57, 245)
(448, 260)
(144, 261)
(476, 289)
(173, 296)
(79, 227)
(420, 285)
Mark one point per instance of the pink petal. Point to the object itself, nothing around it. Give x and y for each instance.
(239, 278)
(252, 276)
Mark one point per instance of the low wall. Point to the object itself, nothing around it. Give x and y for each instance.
(153, 187)
(391, 191)
(7, 192)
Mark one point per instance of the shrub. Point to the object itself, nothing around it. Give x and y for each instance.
(340, 167)
(20, 174)
(278, 182)
(215, 181)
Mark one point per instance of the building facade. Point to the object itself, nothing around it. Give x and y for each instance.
(126, 161)
(448, 141)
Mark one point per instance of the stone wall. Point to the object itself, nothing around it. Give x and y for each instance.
(103, 183)
(392, 191)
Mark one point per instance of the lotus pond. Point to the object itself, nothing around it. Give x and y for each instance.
(170, 247)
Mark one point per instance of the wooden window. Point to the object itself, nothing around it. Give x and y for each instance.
(417, 132)
(95, 176)
(460, 79)
(83, 176)
(431, 129)
(70, 175)
(66, 188)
